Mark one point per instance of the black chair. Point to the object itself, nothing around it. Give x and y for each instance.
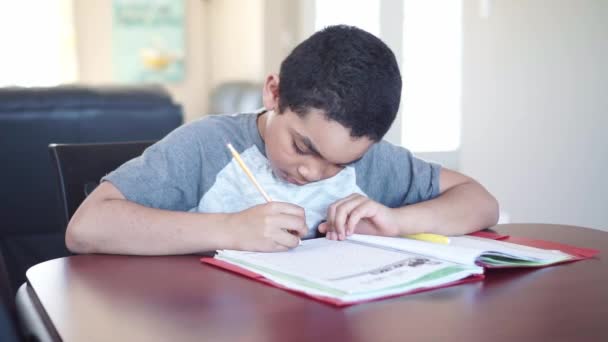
(9, 331)
(79, 168)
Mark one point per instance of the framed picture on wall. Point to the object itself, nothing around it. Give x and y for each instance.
(148, 41)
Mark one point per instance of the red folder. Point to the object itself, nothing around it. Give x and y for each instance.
(577, 252)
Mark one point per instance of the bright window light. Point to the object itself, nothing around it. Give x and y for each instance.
(365, 14)
(37, 39)
(431, 70)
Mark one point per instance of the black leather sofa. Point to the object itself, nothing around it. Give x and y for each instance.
(31, 226)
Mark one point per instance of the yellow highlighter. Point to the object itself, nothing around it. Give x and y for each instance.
(435, 238)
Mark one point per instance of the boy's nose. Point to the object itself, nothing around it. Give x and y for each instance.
(310, 173)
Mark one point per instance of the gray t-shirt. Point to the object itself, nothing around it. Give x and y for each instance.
(191, 169)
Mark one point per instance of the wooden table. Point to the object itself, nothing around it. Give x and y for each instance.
(122, 298)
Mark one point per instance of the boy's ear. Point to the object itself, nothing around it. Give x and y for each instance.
(270, 94)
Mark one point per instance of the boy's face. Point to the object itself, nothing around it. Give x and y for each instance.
(305, 149)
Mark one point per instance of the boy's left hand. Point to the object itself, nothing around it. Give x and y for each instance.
(361, 214)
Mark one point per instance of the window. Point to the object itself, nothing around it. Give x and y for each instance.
(431, 70)
(37, 39)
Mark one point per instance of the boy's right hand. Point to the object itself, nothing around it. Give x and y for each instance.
(264, 227)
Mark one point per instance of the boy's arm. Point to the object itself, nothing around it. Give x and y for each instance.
(106, 222)
(463, 206)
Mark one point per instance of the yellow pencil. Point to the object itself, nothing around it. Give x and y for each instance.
(435, 238)
(241, 163)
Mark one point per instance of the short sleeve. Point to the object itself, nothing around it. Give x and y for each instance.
(166, 176)
(393, 176)
(424, 180)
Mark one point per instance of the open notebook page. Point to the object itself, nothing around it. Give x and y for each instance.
(322, 266)
(468, 250)
(501, 253)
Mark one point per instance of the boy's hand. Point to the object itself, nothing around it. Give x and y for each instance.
(361, 214)
(266, 227)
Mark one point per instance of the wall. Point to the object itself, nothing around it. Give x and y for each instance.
(235, 40)
(223, 43)
(281, 31)
(535, 110)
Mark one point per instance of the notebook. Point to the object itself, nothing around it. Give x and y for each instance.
(364, 267)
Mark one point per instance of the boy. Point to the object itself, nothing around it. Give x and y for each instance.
(316, 149)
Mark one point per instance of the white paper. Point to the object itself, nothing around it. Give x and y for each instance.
(344, 266)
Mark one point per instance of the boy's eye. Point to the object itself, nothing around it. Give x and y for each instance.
(297, 148)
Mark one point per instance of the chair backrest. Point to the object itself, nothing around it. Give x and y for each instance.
(79, 168)
(236, 97)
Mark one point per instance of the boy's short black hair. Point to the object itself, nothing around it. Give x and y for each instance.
(349, 74)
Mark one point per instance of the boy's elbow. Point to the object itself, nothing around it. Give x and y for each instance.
(493, 211)
(76, 238)
(73, 242)
(82, 234)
